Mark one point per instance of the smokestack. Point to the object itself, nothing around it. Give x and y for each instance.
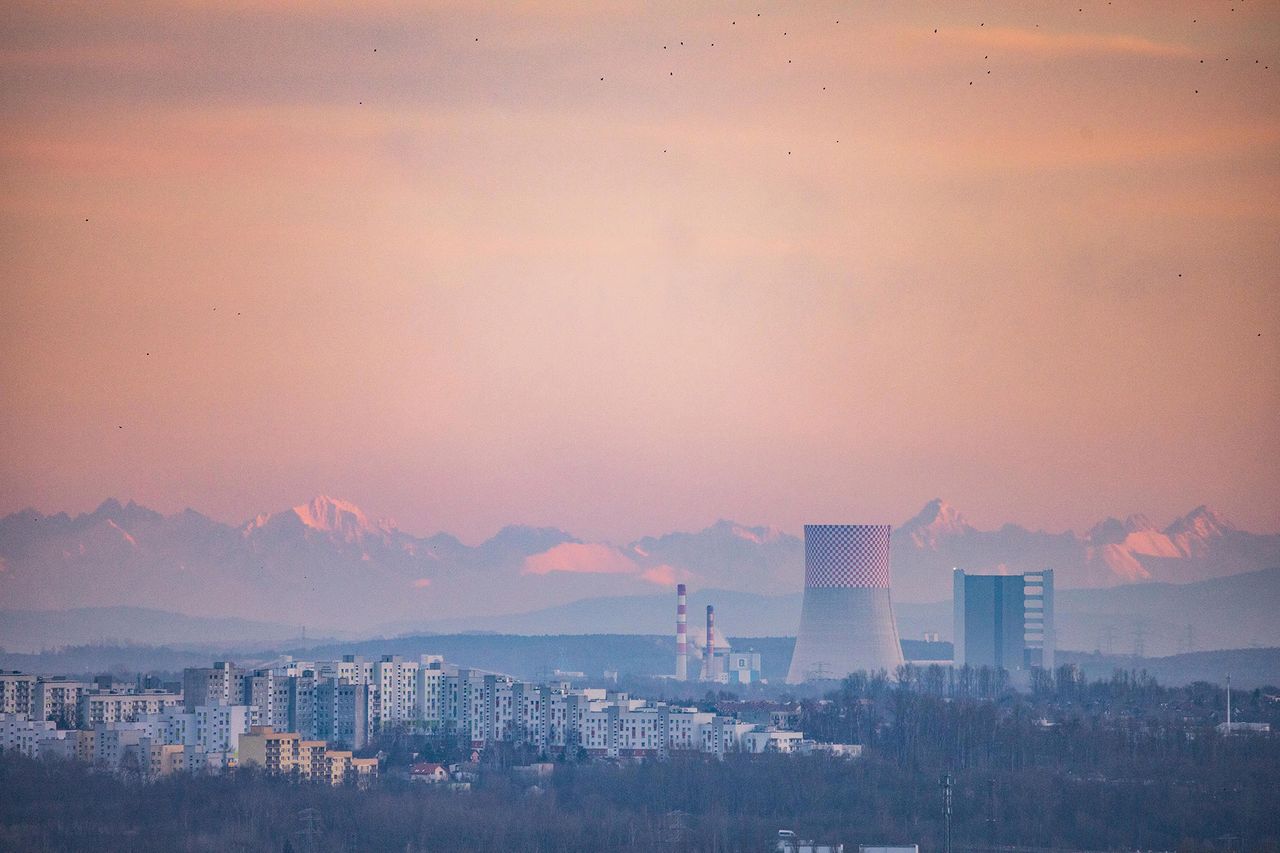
(709, 661)
(846, 622)
(682, 635)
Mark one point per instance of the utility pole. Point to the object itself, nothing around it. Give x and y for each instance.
(991, 813)
(946, 812)
(676, 829)
(310, 832)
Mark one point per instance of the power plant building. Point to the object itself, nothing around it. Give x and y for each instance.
(718, 662)
(1004, 621)
(846, 621)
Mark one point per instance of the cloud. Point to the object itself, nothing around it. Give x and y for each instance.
(1046, 43)
(422, 583)
(665, 575)
(580, 558)
(114, 57)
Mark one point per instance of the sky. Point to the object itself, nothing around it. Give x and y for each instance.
(623, 268)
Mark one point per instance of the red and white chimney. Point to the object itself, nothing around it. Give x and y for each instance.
(682, 634)
(708, 664)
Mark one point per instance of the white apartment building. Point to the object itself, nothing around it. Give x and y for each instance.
(397, 682)
(57, 698)
(17, 693)
(352, 668)
(94, 708)
(772, 740)
(113, 741)
(431, 692)
(346, 700)
(20, 733)
(221, 684)
(267, 695)
(208, 738)
(209, 728)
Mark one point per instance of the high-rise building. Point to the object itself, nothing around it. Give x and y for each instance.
(343, 712)
(302, 703)
(846, 621)
(397, 683)
(1004, 621)
(221, 684)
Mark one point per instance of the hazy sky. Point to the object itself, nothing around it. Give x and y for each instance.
(783, 263)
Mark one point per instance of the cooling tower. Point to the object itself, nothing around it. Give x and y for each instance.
(846, 623)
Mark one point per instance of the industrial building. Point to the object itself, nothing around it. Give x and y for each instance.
(846, 621)
(1004, 621)
(719, 662)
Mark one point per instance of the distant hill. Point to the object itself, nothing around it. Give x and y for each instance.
(635, 654)
(327, 564)
(1231, 612)
(1248, 668)
(1157, 619)
(32, 630)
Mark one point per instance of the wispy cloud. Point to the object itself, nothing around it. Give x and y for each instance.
(579, 558)
(665, 575)
(1045, 43)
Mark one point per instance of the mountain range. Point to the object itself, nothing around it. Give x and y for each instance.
(326, 564)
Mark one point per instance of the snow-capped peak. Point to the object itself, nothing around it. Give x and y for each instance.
(1138, 522)
(1194, 531)
(758, 535)
(326, 515)
(331, 514)
(1202, 521)
(936, 521)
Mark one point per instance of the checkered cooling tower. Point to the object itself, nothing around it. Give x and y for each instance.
(846, 619)
(852, 556)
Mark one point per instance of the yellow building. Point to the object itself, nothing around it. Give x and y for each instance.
(364, 771)
(165, 758)
(84, 744)
(311, 763)
(337, 764)
(274, 752)
(312, 760)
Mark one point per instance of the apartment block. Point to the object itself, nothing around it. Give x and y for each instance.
(94, 708)
(20, 733)
(220, 684)
(17, 693)
(57, 699)
(274, 752)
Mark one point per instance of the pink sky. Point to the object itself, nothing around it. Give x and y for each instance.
(462, 281)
